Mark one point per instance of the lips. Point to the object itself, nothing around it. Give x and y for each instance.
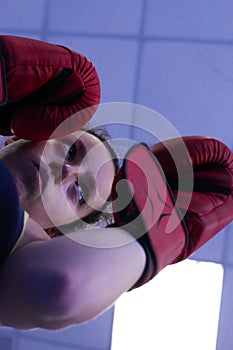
(42, 175)
(35, 174)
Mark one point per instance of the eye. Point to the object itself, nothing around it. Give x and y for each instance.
(71, 153)
(75, 152)
(82, 193)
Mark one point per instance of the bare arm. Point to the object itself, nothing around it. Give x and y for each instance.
(55, 283)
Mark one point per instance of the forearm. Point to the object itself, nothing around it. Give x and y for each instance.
(91, 279)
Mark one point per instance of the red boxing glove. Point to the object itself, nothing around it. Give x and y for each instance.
(144, 205)
(211, 205)
(153, 188)
(43, 84)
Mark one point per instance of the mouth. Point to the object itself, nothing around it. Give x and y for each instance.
(36, 166)
(36, 172)
(42, 174)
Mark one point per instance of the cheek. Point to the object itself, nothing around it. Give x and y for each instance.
(56, 206)
(104, 180)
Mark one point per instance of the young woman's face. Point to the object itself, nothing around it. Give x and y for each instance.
(60, 181)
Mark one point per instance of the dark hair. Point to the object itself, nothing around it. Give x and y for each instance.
(101, 216)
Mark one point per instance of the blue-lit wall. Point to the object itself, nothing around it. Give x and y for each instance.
(172, 56)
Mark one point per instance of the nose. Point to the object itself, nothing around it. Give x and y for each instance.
(69, 171)
(63, 172)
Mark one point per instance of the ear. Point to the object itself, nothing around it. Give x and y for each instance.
(53, 232)
(11, 140)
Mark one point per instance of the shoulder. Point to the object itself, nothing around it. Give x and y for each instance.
(32, 233)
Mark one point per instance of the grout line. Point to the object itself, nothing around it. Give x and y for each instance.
(184, 40)
(224, 303)
(141, 42)
(44, 33)
(225, 249)
(43, 339)
(112, 36)
(140, 39)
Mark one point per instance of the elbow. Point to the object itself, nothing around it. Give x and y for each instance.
(65, 299)
(54, 298)
(69, 302)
